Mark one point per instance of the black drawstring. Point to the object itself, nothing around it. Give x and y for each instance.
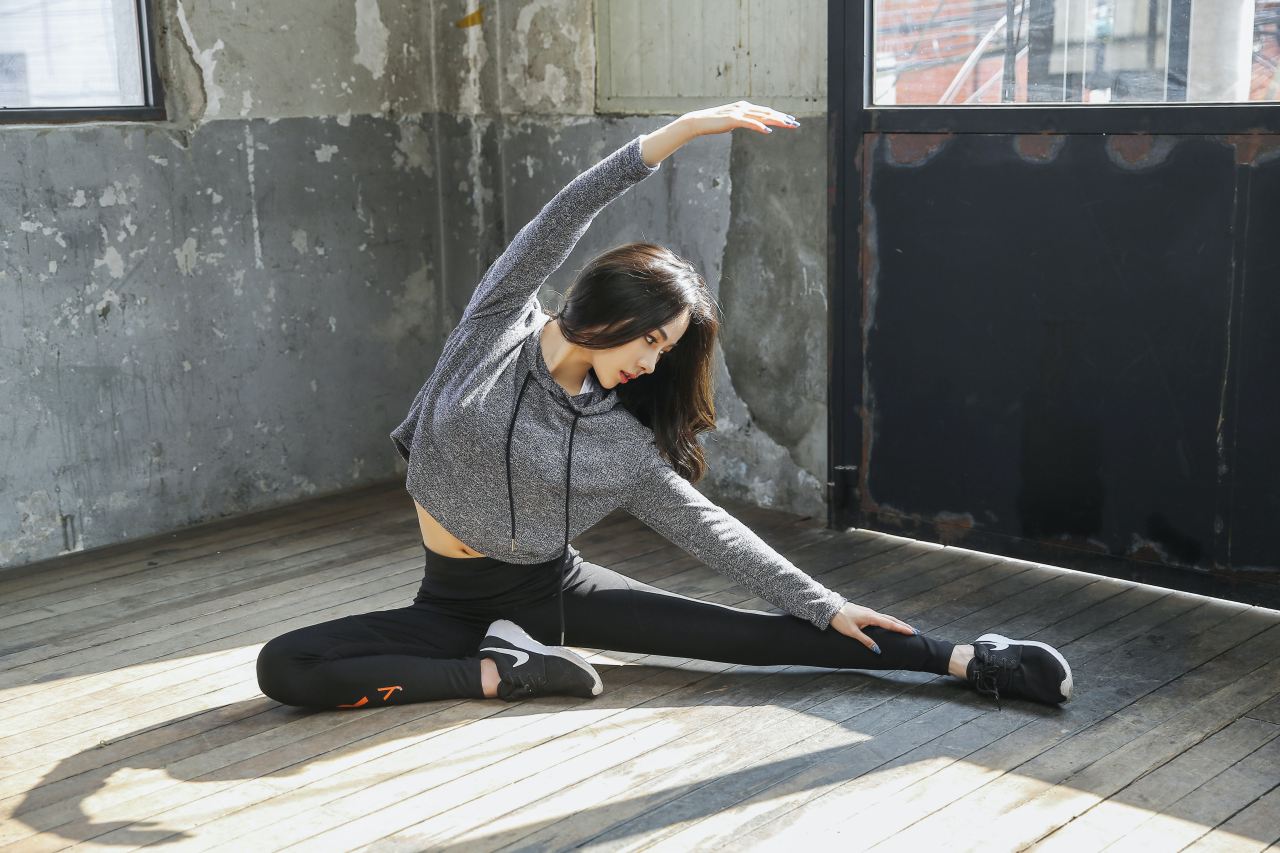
(564, 557)
(568, 482)
(510, 429)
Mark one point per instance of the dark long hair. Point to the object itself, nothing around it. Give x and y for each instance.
(627, 292)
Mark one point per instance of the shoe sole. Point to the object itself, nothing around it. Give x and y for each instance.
(507, 630)
(1067, 684)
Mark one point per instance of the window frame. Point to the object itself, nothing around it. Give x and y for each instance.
(152, 89)
(1168, 118)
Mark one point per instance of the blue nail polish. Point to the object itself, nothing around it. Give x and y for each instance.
(875, 647)
(768, 130)
(917, 630)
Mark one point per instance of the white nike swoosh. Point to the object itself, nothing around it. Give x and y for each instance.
(995, 645)
(521, 657)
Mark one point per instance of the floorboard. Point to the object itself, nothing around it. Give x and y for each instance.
(130, 715)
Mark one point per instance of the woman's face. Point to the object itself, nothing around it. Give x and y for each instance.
(640, 356)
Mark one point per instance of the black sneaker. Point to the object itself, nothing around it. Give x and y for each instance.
(1019, 668)
(528, 668)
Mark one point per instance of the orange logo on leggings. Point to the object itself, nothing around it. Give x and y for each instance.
(364, 700)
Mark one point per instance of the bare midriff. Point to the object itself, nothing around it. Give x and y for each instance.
(439, 540)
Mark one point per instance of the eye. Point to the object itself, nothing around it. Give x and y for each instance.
(652, 340)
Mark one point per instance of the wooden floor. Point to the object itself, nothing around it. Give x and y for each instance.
(130, 715)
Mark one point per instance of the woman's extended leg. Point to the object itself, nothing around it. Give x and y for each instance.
(607, 610)
(409, 654)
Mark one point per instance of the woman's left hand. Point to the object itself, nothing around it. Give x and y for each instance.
(852, 618)
(730, 116)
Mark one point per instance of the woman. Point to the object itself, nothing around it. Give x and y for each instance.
(528, 432)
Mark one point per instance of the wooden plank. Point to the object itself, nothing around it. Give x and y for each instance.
(774, 808)
(635, 754)
(502, 781)
(115, 600)
(351, 580)
(205, 666)
(623, 792)
(54, 658)
(169, 772)
(819, 764)
(276, 823)
(98, 565)
(330, 743)
(278, 572)
(26, 670)
(1269, 711)
(318, 592)
(612, 802)
(382, 815)
(1240, 833)
(458, 819)
(461, 824)
(1060, 771)
(1131, 811)
(1219, 796)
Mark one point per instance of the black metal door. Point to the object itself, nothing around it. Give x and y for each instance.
(1055, 332)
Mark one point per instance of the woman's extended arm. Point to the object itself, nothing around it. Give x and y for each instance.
(669, 504)
(661, 144)
(545, 242)
(541, 246)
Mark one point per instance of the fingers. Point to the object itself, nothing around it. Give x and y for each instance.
(865, 640)
(757, 117)
(884, 620)
(898, 625)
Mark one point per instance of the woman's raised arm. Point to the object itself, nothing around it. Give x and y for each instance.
(545, 242)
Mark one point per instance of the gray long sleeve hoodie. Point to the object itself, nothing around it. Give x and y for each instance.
(514, 466)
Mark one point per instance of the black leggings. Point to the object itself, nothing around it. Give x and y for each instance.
(427, 651)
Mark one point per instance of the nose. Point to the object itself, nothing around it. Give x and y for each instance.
(646, 365)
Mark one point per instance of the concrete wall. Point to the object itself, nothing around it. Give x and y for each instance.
(230, 310)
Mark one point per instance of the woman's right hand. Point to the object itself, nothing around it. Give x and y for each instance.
(738, 114)
(852, 618)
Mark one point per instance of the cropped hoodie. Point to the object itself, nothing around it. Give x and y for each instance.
(514, 466)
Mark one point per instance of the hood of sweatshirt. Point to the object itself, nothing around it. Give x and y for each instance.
(595, 400)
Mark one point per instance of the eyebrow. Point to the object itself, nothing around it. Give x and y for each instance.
(663, 332)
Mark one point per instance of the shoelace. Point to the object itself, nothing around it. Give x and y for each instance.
(986, 676)
(527, 683)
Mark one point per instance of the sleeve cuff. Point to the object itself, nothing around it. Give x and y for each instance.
(639, 167)
(832, 606)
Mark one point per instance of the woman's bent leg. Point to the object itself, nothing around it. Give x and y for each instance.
(366, 660)
(607, 610)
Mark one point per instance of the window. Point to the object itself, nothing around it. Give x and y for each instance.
(75, 59)
(988, 52)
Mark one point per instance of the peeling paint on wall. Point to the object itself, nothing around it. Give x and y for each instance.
(112, 261)
(555, 86)
(205, 60)
(253, 196)
(186, 256)
(371, 38)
